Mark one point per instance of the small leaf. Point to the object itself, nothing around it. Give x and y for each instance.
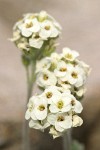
(25, 60)
(77, 146)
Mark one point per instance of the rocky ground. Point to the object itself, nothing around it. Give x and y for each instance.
(81, 31)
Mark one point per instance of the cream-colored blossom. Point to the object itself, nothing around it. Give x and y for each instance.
(54, 132)
(37, 108)
(69, 54)
(62, 69)
(46, 78)
(29, 26)
(43, 64)
(77, 121)
(60, 121)
(48, 30)
(39, 125)
(51, 93)
(61, 104)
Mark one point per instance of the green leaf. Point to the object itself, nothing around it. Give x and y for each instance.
(25, 60)
(77, 146)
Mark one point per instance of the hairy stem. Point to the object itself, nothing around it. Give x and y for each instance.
(30, 82)
(67, 140)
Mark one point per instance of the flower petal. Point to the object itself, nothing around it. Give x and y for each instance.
(27, 114)
(36, 43)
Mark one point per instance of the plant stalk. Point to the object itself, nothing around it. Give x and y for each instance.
(30, 83)
(67, 141)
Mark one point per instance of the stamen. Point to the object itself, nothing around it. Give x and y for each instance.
(74, 75)
(47, 27)
(63, 69)
(60, 104)
(41, 107)
(49, 95)
(73, 102)
(29, 25)
(45, 77)
(69, 56)
(60, 118)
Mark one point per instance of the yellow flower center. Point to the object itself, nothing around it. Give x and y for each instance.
(29, 25)
(65, 82)
(37, 36)
(69, 56)
(47, 27)
(41, 107)
(63, 69)
(73, 102)
(60, 104)
(60, 118)
(45, 77)
(74, 75)
(48, 94)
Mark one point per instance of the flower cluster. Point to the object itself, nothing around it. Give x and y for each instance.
(55, 109)
(64, 71)
(34, 29)
(62, 78)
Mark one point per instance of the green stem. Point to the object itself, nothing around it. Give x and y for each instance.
(30, 83)
(30, 80)
(67, 140)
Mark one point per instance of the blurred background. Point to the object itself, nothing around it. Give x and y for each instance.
(80, 20)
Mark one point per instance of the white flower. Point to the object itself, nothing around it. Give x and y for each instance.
(80, 91)
(37, 108)
(37, 28)
(29, 16)
(77, 121)
(60, 121)
(76, 77)
(48, 30)
(54, 132)
(46, 78)
(51, 93)
(16, 35)
(69, 55)
(29, 26)
(40, 109)
(18, 23)
(43, 64)
(36, 42)
(62, 69)
(30, 111)
(73, 104)
(61, 104)
(64, 84)
(84, 66)
(55, 58)
(42, 16)
(39, 125)
(23, 46)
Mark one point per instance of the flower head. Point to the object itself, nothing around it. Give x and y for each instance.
(43, 64)
(46, 78)
(51, 93)
(39, 125)
(60, 121)
(69, 55)
(37, 108)
(37, 28)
